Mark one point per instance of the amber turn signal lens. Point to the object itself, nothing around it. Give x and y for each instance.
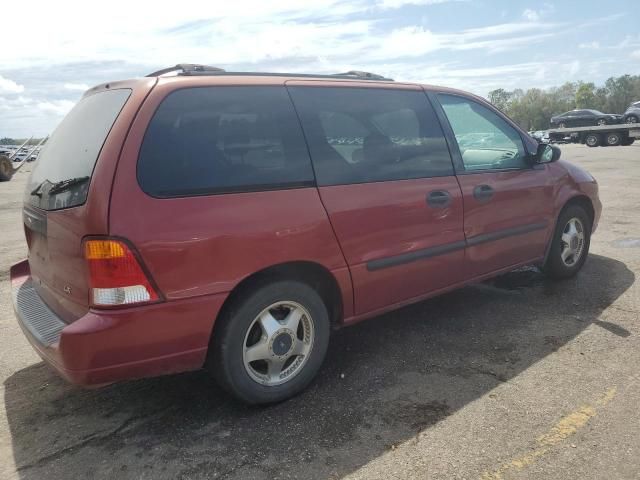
(116, 277)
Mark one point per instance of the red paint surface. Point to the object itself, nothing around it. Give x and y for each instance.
(386, 219)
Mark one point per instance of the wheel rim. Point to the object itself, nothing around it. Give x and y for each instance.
(591, 140)
(613, 139)
(561, 125)
(602, 122)
(278, 343)
(632, 120)
(572, 242)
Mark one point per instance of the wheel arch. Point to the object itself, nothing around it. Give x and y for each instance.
(580, 200)
(311, 273)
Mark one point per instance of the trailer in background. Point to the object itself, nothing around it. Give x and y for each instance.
(601, 135)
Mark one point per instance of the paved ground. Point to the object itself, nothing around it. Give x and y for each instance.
(515, 378)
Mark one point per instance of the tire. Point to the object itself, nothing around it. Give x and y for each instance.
(240, 329)
(601, 121)
(592, 140)
(562, 125)
(6, 169)
(613, 139)
(559, 264)
(631, 119)
(628, 141)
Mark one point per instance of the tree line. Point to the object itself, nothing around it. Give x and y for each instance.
(533, 109)
(19, 141)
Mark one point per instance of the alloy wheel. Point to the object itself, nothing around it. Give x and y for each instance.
(572, 242)
(278, 343)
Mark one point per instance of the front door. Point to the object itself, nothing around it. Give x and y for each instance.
(508, 207)
(386, 178)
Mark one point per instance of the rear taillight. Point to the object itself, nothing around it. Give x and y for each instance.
(115, 275)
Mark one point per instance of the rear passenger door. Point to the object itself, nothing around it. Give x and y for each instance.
(386, 178)
(508, 202)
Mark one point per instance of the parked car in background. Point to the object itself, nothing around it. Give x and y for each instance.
(213, 220)
(632, 113)
(584, 118)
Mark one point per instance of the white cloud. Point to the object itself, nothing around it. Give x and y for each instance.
(56, 107)
(402, 3)
(535, 15)
(9, 86)
(131, 39)
(574, 68)
(590, 45)
(79, 87)
(635, 54)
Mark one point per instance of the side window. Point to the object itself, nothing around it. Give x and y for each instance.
(223, 139)
(486, 141)
(358, 135)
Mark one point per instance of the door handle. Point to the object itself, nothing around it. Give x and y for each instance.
(438, 199)
(483, 193)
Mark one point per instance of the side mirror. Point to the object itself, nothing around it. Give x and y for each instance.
(547, 153)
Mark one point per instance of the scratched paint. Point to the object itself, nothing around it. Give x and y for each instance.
(565, 428)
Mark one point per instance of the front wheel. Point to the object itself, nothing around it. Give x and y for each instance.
(601, 122)
(632, 119)
(570, 243)
(269, 346)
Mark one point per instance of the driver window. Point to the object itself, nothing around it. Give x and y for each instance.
(486, 141)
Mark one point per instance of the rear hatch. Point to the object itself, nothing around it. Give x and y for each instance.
(67, 197)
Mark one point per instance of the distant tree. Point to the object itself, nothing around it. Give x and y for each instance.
(600, 101)
(533, 109)
(585, 95)
(621, 92)
(500, 98)
(19, 141)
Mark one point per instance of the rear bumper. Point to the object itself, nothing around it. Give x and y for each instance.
(110, 345)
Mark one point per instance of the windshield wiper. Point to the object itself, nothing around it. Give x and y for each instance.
(64, 185)
(37, 191)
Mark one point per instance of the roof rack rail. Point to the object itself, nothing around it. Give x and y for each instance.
(186, 69)
(362, 75)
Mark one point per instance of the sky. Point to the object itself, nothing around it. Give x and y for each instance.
(52, 51)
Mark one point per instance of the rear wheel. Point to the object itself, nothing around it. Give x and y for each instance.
(562, 125)
(628, 141)
(613, 139)
(570, 243)
(632, 119)
(601, 122)
(269, 346)
(6, 169)
(592, 140)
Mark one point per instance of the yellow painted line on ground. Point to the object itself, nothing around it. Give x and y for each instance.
(566, 427)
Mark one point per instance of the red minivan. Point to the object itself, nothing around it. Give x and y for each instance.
(227, 221)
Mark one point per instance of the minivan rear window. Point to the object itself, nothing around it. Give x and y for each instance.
(60, 178)
(209, 140)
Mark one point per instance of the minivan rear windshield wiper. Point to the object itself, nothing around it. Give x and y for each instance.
(65, 185)
(58, 187)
